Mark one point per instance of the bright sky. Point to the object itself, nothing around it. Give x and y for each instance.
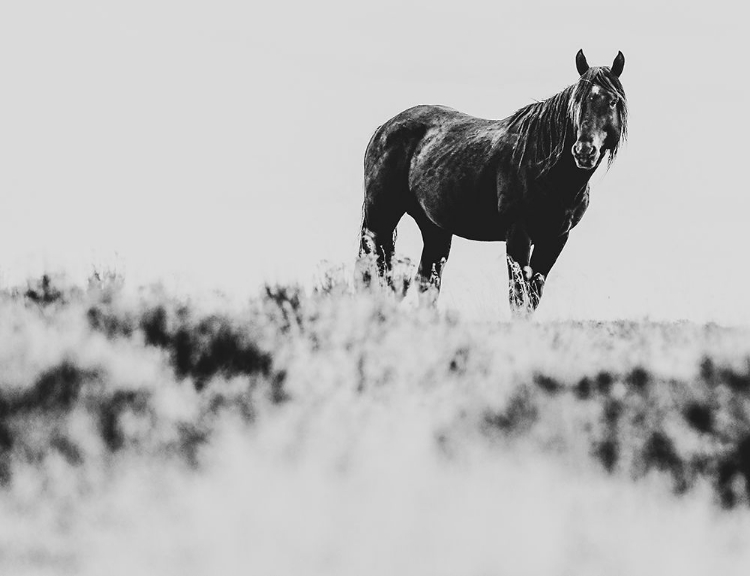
(220, 143)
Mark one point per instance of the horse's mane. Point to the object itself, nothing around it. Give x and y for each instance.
(543, 127)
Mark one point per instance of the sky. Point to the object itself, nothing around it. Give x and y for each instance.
(219, 145)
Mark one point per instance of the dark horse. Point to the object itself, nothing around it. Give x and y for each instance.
(522, 180)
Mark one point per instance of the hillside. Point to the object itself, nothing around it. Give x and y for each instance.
(340, 433)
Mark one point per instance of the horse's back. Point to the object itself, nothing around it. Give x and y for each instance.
(403, 131)
(441, 163)
(394, 145)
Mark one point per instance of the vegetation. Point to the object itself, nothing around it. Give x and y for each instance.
(336, 432)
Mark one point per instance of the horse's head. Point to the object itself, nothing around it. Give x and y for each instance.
(599, 111)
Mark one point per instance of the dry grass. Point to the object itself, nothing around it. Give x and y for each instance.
(338, 433)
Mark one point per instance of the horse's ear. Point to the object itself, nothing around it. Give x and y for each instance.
(618, 64)
(581, 63)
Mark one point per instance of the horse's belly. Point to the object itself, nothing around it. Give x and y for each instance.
(481, 228)
(473, 222)
(453, 179)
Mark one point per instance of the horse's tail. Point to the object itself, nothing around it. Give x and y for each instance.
(368, 154)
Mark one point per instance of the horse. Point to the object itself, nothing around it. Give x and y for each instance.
(522, 180)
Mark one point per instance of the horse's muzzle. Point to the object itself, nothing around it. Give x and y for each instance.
(585, 157)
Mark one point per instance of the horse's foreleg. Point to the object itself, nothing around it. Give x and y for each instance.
(518, 250)
(544, 257)
(546, 253)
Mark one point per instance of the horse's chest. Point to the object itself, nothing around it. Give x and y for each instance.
(551, 215)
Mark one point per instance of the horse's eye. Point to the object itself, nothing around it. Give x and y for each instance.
(613, 103)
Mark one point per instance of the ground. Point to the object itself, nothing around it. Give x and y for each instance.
(335, 432)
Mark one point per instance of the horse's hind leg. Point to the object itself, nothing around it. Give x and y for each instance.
(435, 252)
(387, 195)
(376, 249)
(377, 240)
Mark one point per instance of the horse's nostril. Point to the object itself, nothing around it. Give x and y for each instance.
(587, 153)
(584, 151)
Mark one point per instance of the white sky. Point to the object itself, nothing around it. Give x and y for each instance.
(220, 143)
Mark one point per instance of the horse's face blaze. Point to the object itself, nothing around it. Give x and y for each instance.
(598, 127)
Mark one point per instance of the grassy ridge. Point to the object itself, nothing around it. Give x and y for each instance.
(311, 419)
